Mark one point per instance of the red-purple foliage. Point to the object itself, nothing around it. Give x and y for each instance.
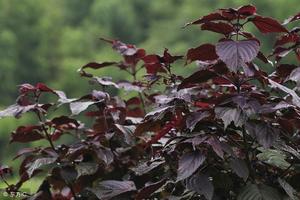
(228, 131)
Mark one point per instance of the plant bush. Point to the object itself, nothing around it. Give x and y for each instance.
(228, 131)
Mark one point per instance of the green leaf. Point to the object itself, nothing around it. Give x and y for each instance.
(273, 157)
(258, 192)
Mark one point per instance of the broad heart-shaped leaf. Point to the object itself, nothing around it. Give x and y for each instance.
(295, 97)
(188, 164)
(258, 192)
(108, 189)
(291, 192)
(264, 133)
(39, 163)
(201, 184)
(239, 166)
(273, 157)
(237, 53)
(228, 115)
(268, 25)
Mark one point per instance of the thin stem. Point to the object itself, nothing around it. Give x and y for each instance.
(247, 149)
(140, 94)
(46, 132)
(284, 173)
(238, 28)
(37, 97)
(3, 179)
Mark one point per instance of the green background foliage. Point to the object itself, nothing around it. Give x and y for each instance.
(47, 41)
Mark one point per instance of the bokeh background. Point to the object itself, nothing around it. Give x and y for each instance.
(47, 41)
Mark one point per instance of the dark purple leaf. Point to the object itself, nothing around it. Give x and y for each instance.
(148, 189)
(207, 18)
(146, 167)
(194, 118)
(69, 173)
(258, 192)
(197, 78)
(284, 70)
(237, 53)
(228, 115)
(216, 146)
(268, 25)
(264, 133)
(201, 184)
(38, 163)
(62, 120)
(239, 166)
(292, 93)
(127, 132)
(153, 64)
(287, 38)
(188, 164)
(108, 189)
(168, 58)
(26, 151)
(95, 65)
(105, 155)
(262, 57)
(247, 10)
(219, 27)
(204, 52)
(26, 134)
